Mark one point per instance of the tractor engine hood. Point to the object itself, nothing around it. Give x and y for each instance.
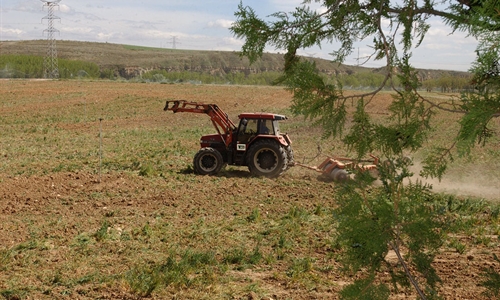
(210, 139)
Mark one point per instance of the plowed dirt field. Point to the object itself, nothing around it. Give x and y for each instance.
(97, 194)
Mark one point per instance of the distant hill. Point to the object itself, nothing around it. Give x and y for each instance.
(130, 61)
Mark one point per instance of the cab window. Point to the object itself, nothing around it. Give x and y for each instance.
(251, 127)
(266, 127)
(247, 130)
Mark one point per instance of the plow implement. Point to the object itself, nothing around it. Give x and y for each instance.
(339, 168)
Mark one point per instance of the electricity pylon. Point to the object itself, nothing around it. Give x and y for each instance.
(50, 63)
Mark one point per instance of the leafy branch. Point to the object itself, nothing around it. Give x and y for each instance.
(399, 215)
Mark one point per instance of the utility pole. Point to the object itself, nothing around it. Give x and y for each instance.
(174, 42)
(50, 63)
(357, 60)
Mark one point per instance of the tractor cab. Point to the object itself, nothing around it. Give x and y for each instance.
(254, 125)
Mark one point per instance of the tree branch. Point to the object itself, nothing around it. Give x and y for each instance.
(407, 271)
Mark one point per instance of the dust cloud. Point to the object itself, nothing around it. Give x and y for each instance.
(472, 184)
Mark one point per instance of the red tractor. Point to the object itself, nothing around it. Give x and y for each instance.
(257, 142)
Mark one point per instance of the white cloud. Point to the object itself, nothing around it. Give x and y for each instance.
(64, 8)
(235, 43)
(8, 31)
(285, 5)
(27, 6)
(221, 23)
(438, 30)
(77, 30)
(104, 36)
(435, 46)
(156, 34)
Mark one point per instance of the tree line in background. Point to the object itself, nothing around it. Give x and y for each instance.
(163, 76)
(29, 66)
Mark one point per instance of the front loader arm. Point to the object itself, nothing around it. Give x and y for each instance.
(220, 119)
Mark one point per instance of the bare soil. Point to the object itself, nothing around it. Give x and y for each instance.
(44, 214)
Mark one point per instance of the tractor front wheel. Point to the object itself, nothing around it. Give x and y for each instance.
(208, 161)
(267, 158)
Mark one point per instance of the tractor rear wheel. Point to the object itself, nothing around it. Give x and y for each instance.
(289, 157)
(208, 161)
(339, 175)
(267, 158)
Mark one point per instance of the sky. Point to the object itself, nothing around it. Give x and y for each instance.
(197, 25)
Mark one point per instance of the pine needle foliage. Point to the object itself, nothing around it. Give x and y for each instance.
(399, 217)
